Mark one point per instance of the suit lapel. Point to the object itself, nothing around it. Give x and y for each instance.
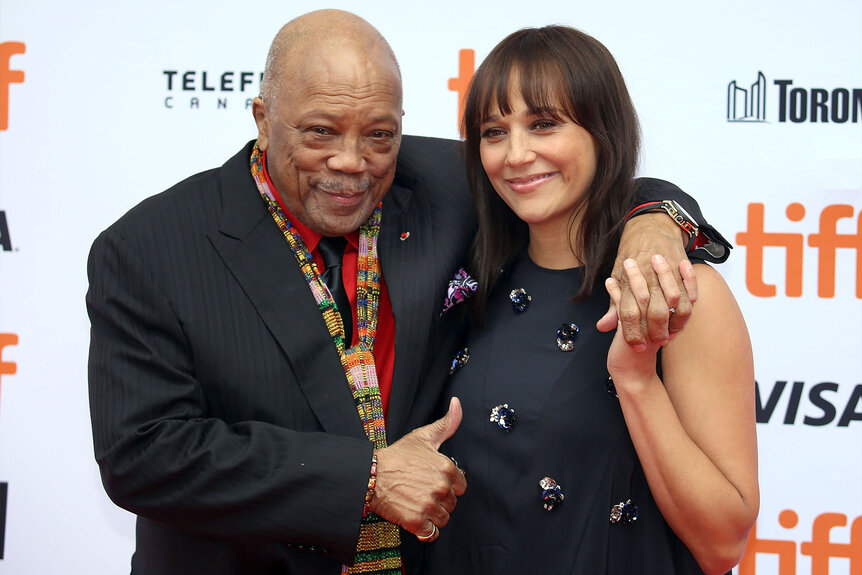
(255, 251)
(405, 264)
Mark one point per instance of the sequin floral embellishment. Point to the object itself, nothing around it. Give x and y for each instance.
(503, 416)
(460, 360)
(552, 494)
(461, 288)
(624, 512)
(520, 299)
(566, 336)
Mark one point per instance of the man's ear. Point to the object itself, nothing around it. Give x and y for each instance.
(261, 118)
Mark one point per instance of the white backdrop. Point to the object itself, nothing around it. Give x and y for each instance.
(93, 128)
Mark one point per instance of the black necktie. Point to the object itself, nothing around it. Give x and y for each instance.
(332, 250)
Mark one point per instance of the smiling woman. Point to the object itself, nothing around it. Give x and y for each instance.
(652, 470)
(541, 162)
(575, 87)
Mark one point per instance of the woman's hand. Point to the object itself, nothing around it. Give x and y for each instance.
(629, 364)
(641, 311)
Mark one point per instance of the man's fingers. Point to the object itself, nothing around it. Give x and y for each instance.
(683, 309)
(431, 533)
(417, 485)
(679, 317)
(667, 280)
(439, 517)
(611, 320)
(434, 435)
(689, 279)
(664, 296)
(449, 502)
(446, 426)
(632, 307)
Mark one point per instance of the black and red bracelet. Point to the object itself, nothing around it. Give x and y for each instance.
(678, 215)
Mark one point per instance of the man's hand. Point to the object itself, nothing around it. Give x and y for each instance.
(669, 282)
(417, 487)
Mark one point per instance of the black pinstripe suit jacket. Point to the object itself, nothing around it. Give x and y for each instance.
(221, 415)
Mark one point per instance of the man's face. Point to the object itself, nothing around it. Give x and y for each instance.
(332, 136)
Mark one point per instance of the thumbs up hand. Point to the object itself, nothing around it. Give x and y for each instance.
(417, 487)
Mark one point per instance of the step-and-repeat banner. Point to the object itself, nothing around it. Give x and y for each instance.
(754, 107)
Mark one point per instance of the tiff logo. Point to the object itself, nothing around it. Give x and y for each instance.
(8, 76)
(5, 240)
(827, 241)
(7, 367)
(459, 85)
(747, 104)
(4, 488)
(821, 547)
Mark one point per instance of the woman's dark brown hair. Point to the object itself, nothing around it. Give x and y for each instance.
(558, 69)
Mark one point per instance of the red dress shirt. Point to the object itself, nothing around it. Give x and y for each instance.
(384, 343)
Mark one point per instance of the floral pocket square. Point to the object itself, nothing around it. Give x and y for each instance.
(461, 288)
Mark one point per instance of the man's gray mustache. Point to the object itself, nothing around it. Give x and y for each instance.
(338, 186)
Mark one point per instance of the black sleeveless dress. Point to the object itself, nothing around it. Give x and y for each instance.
(567, 426)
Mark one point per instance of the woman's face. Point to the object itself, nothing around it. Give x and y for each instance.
(540, 164)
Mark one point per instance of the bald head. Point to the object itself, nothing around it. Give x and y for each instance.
(329, 120)
(322, 32)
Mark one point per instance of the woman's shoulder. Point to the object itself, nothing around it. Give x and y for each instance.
(716, 328)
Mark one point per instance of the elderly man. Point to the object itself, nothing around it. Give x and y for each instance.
(253, 383)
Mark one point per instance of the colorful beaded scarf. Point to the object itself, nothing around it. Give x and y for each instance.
(378, 550)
